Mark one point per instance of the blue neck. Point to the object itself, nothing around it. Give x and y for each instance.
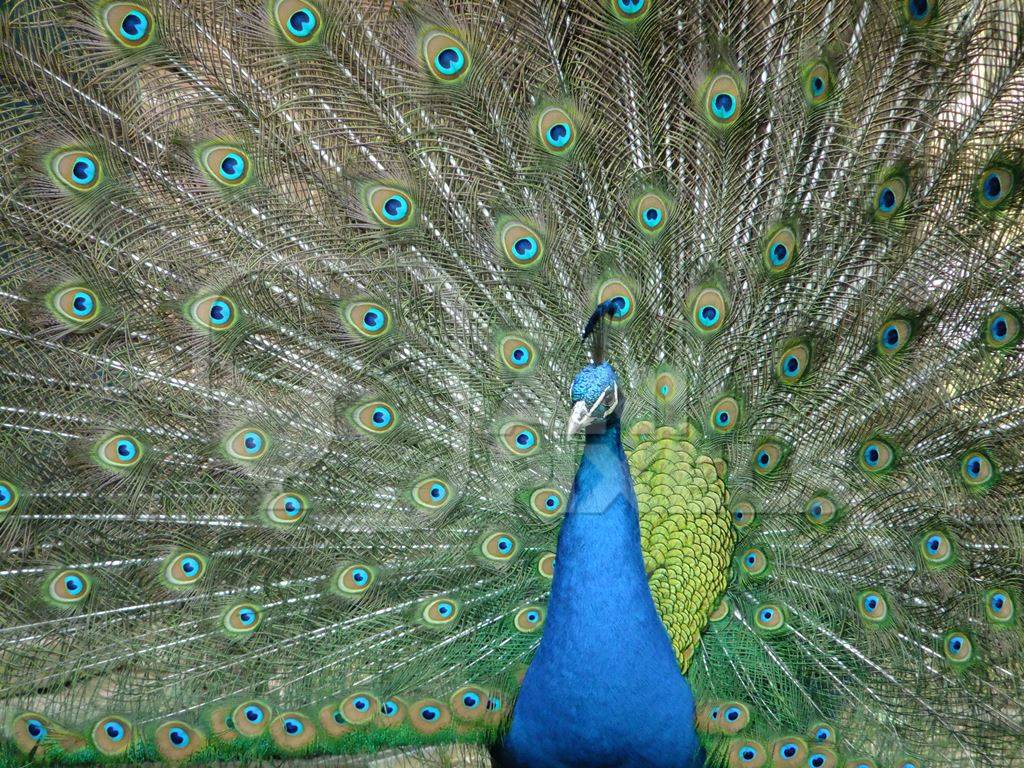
(604, 687)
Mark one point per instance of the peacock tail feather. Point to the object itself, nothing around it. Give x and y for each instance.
(290, 302)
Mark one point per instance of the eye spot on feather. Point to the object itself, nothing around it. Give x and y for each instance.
(721, 611)
(1002, 329)
(353, 580)
(212, 313)
(651, 213)
(499, 547)
(733, 717)
(112, 736)
(957, 647)
(446, 57)
(521, 244)
(746, 753)
(431, 493)
(977, 470)
(876, 456)
(530, 619)
(789, 752)
(753, 562)
(780, 250)
(358, 708)
(376, 417)
(822, 733)
(129, 24)
(820, 757)
(430, 716)
(547, 503)
(9, 496)
(299, 21)
(617, 289)
(242, 619)
(247, 444)
(251, 718)
(520, 439)
(630, 10)
(769, 618)
(546, 565)
(440, 612)
(893, 336)
(725, 414)
(292, 731)
(767, 458)
(557, 131)
(517, 354)
(793, 363)
(184, 570)
(119, 452)
(468, 703)
(392, 713)
(936, 548)
(890, 195)
(76, 169)
(817, 83)
(919, 12)
(177, 741)
(286, 509)
(665, 387)
(709, 310)
(69, 586)
(723, 100)
(228, 166)
(995, 185)
(820, 510)
(367, 319)
(743, 514)
(389, 206)
(872, 606)
(76, 305)
(999, 606)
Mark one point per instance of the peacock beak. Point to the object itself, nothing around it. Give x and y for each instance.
(580, 418)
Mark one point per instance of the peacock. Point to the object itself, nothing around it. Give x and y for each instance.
(527, 382)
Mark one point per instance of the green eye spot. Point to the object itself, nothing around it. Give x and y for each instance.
(129, 24)
(298, 20)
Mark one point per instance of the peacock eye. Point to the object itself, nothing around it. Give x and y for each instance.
(651, 212)
(70, 586)
(709, 310)
(440, 612)
(876, 456)
(521, 244)
(893, 336)
(293, 726)
(185, 569)
(999, 606)
(722, 100)
(746, 753)
(298, 20)
(732, 717)
(517, 353)
(977, 470)
(919, 12)
(743, 514)
(8, 496)
(353, 580)
(1002, 328)
(529, 619)
(790, 753)
(111, 736)
(957, 647)
(767, 458)
(243, 618)
(725, 414)
(817, 83)
(129, 24)
(376, 417)
(936, 549)
(793, 363)
(820, 510)
(77, 305)
(780, 249)
(547, 503)
(753, 562)
(247, 444)
(618, 290)
(390, 206)
(213, 312)
(430, 716)
(77, 169)
(769, 617)
(367, 319)
(228, 166)
(890, 195)
(286, 509)
(546, 565)
(431, 493)
(557, 130)
(499, 547)
(446, 57)
(630, 10)
(872, 606)
(520, 439)
(358, 708)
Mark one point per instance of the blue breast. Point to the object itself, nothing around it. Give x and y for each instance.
(604, 688)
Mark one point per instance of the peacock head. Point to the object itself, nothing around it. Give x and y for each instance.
(596, 399)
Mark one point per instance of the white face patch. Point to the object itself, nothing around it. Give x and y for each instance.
(583, 416)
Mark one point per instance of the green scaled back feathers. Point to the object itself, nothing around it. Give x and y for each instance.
(290, 296)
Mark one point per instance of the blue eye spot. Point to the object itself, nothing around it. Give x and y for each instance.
(82, 304)
(763, 458)
(715, 711)
(823, 734)
(253, 442)
(232, 166)
(708, 315)
(389, 708)
(767, 614)
(361, 703)
(493, 704)
(395, 208)
(126, 450)
(521, 355)
(504, 544)
(919, 9)
(302, 23)
(621, 306)
(247, 616)
(134, 25)
(732, 714)
(292, 506)
(552, 502)
(817, 86)
(430, 714)
(992, 187)
(956, 643)
(723, 418)
(533, 617)
(84, 170)
(254, 714)
(887, 200)
(450, 61)
(292, 726)
(652, 217)
(73, 585)
(998, 601)
(373, 320)
(934, 543)
(788, 750)
(525, 439)
(220, 312)
(999, 328)
(444, 609)
(816, 761)
(779, 254)
(114, 731)
(190, 565)
(559, 134)
(751, 559)
(747, 754)
(723, 105)
(525, 248)
(631, 7)
(871, 455)
(974, 467)
(870, 603)
(381, 416)
(338, 718)
(5, 495)
(815, 509)
(438, 492)
(360, 576)
(178, 737)
(36, 730)
(471, 700)
(791, 365)
(891, 336)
